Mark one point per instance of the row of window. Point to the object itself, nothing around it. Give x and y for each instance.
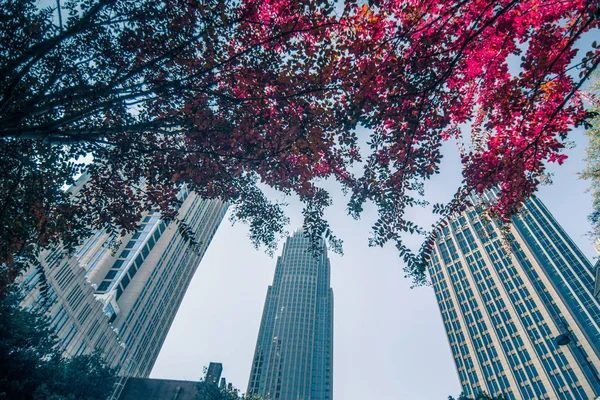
(123, 270)
(150, 296)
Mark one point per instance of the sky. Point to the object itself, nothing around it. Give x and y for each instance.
(389, 340)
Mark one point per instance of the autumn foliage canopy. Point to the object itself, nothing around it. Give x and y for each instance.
(229, 97)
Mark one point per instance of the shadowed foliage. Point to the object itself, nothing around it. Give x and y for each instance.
(31, 364)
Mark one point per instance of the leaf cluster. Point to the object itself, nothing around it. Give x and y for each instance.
(592, 167)
(213, 392)
(230, 97)
(157, 94)
(479, 396)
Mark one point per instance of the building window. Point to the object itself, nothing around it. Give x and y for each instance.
(104, 286)
(113, 274)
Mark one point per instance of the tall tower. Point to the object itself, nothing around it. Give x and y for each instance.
(294, 351)
(123, 300)
(520, 314)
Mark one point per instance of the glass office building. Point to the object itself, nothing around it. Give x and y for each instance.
(122, 299)
(294, 351)
(520, 314)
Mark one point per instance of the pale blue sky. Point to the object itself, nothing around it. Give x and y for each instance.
(389, 340)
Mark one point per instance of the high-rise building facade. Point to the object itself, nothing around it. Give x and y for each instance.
(121, 299)
(294, 352)
(520, 314)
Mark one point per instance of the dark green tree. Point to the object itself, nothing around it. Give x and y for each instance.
(480, 396)
(32, 366)
(213, 392)
(592, 167)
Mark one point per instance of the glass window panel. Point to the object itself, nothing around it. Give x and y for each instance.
(112, 274)
(104, 286)
(125, 281)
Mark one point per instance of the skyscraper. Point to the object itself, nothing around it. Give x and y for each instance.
(294, 351)
(520, 314)
(122, 301)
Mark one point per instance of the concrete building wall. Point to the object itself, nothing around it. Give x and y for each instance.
(167, 389)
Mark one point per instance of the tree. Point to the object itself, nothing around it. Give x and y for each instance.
(480, 396)
(159, 94)
(592, 168)
(208, 391)
(231, 96)
(31, 365)
(214, 393)
(442, 66)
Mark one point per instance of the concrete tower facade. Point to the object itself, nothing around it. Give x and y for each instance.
(294, 351)
(520, 314)
(123, 302)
